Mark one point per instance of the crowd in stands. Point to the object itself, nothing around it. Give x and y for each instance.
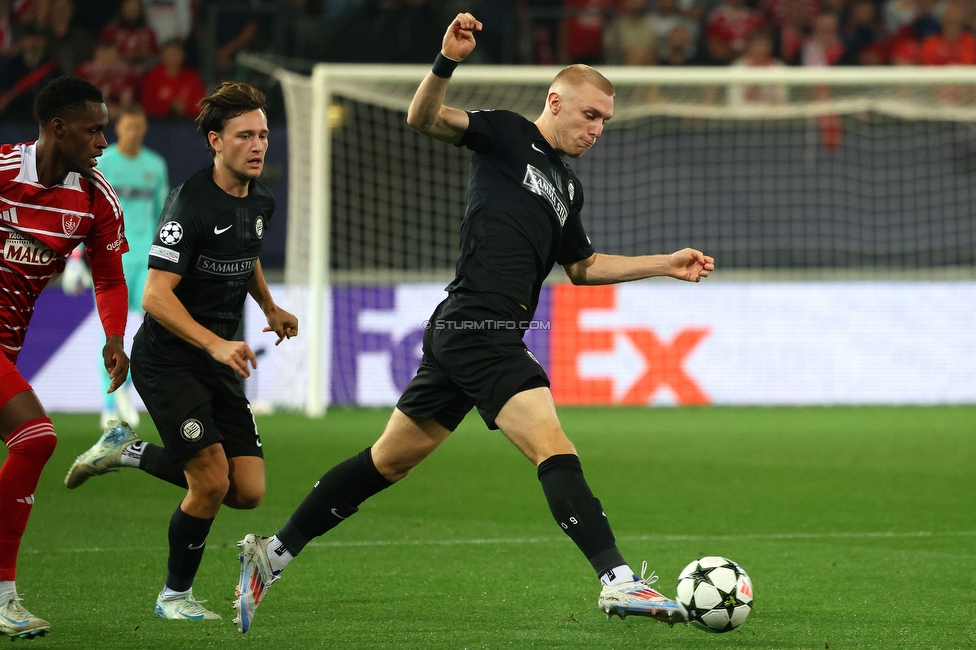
(759, 33)
(133, 50)
(146, 50)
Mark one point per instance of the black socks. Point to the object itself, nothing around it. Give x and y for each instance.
(187, 537)
(335, 497)
(578, 512)
(157, 462)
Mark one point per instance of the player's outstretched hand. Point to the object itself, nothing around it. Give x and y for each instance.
(459, 39)
(235, 354)
(691, 265)
(116, 361)
(282, 323)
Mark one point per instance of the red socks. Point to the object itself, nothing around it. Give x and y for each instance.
(30, 445)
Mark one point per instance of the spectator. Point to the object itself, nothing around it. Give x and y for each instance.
(955, 45)
(897, 14)
(68, 43)
(693, 10)
(25, 73)
(906, 45)
(679, 46)
(824, 47)
(775, 11)
(234, 31)
(926, 21)
(791, 31)
(108, 72)
(630, 38)
(170, 18)
(544, 17)
(758, 54)
(667, 18)
(130, 33)
(543, 51)
(171, 89)
(581, 31)
(728, 28)
(864, 39)
(905, 51)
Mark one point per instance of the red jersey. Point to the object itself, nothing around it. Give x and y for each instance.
(937, 50)
(586, 20)
(40, 226)
(135, 44)
(733, 25)
(113, 82)
(160, 91)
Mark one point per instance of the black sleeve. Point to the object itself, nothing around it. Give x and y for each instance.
(180, 227)
(575, 244)
(488, 127)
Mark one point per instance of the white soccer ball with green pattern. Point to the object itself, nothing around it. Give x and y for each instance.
(716, 592)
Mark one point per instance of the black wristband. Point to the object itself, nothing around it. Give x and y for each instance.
(443, 66)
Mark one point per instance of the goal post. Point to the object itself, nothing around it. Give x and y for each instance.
(782, 173)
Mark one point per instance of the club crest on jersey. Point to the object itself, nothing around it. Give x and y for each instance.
(572, 190)
(70, 223)
(24, 249)
(259, 227)
(171, 233)
(192, 430)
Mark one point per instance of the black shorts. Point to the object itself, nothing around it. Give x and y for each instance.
(473, 355)
(193, 401)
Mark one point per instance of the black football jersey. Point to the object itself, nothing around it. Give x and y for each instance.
(213, 240)
(523, 210)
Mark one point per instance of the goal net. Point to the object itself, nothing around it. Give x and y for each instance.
(783, 175)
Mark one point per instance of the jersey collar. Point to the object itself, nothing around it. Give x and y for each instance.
(28, 170)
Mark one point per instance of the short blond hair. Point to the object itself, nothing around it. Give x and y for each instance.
(578, 74)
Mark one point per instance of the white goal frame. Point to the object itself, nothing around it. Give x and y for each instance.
(326, 79)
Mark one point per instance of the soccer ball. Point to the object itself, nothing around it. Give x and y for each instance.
(716, 592)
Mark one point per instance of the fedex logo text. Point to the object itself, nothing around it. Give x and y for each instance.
(377, 336)
(617, 364)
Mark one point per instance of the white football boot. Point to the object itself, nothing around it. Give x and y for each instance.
(183, 608)
(103, 457)
(17, 623)
(256, 577)
(639, 599)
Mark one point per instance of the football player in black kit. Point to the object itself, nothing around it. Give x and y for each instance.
(523, 216)
(203, 263)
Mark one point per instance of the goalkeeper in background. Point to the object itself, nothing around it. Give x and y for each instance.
(523, 217)
(141, 181)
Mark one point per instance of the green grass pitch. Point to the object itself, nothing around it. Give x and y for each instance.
(857, 526)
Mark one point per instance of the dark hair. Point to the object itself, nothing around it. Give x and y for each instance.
(63, 95)
(230, 99)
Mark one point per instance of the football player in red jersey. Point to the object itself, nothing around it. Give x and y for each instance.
(52, 198)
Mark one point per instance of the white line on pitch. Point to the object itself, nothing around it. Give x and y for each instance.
(549, 540)
(645, 538)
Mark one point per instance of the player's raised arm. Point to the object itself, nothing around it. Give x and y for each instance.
(687, 264)
(427, 112)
